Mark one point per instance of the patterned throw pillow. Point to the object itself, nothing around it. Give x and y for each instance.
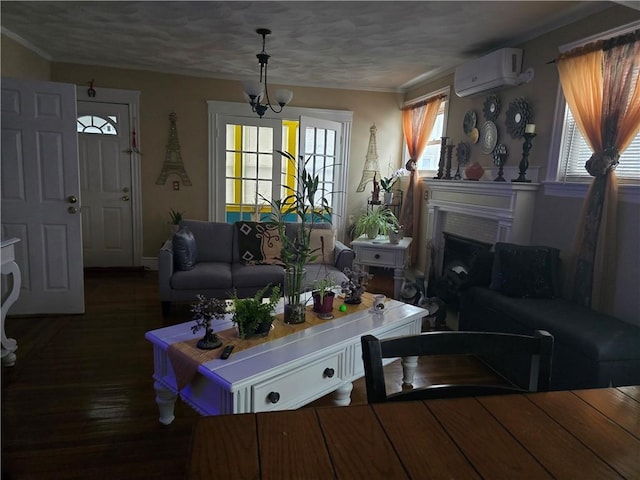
(320, 239)
(259, 243)
(526, 271)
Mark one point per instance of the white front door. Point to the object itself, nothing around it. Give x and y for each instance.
(41, 194)
(105, 180)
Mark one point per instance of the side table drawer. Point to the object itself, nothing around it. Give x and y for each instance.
(279, 392)
(380, 257)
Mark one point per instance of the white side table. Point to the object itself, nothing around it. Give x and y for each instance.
(9, 267)
(378, 252)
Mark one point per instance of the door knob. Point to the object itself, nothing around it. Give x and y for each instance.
(72, 210)
(72, 199)
(125, 198)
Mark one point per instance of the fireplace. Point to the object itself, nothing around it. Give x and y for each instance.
(458, 256)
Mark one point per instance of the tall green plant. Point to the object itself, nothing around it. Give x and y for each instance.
(308, 204)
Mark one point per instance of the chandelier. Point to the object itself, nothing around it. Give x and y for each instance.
(257, 91)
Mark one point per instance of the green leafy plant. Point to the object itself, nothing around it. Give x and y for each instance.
(323, 286)
(376, 221)
(309, 205)
(387, 183)
(250, 312)
(175, 216)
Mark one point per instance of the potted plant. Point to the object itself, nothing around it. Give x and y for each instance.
(175, 219)
(252, 315)
(374, 222)
(323, 296)
(355, 286)
(204, 311)
(387, 184)
(306, 202)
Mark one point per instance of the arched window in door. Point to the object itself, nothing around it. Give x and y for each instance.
(96, 124)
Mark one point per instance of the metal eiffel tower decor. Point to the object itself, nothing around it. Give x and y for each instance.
(371, 166)
(173, 158)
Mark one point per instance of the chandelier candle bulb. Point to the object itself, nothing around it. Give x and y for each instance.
(530, 128)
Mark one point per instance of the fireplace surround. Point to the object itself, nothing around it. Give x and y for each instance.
(485, 212)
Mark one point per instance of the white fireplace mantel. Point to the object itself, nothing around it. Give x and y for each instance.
(505, 210)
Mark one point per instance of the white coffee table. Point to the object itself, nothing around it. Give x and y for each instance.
(285, 373)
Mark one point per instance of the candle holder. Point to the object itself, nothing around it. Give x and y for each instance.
(447, 174)
(502, 157)
(524, 163)
(442, 157)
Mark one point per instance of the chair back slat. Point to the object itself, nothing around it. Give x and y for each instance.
(538, 348)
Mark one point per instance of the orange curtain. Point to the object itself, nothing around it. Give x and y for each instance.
(600, 84)
(417, 122)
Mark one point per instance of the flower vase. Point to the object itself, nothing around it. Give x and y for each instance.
(294, 307)
(388, 198)
(209, 341)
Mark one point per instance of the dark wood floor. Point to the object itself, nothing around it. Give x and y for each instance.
(79, 403)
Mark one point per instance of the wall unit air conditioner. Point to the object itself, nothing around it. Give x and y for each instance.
(496, 70)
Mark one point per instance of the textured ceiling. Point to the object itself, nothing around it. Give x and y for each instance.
(369, 45)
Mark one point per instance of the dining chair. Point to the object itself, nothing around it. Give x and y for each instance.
(537, 349)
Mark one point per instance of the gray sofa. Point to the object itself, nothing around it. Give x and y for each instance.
(218, 268)
(591, 349)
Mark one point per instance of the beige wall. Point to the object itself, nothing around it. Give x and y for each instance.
(187, 96)
(20, 62)
(555, 218)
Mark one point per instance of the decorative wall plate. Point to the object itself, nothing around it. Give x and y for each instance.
(462, 153)
(500, 154)
(518, 115)
(488, 137)
(491, 108)
(474, 135)
(469, 122)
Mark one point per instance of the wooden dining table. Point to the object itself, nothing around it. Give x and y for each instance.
(579, 434)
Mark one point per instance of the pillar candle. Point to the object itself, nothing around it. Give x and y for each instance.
(530, 128)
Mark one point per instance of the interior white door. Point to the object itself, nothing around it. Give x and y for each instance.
(105, 182)
(320, 142)
(41, 194)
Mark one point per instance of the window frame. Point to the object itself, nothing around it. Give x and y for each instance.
(555, 184)
(221, 109)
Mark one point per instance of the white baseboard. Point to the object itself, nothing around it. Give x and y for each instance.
(150, 263)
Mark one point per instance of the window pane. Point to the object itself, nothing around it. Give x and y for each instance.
(96, 125)
(431, 155)
(574, 153)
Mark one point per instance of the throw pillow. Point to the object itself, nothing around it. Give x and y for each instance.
(525, 271)
(322, 239)
(259, 243)
(185, 250)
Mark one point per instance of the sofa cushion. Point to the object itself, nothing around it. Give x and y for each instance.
(525, 271)
(204, 276)
(259, 243)
(596, 335)
(320, 240)
(253, 275)
(214, 239)
(185, 249)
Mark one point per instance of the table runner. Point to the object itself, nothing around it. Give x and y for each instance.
(186, 357)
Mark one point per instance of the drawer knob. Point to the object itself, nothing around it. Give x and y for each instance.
(273, 397)
(329, 372)
(376, 256)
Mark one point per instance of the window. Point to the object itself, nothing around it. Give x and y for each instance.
(95, 124)
(431, 155)
(245, 167)
(573, 150)
(574, 153)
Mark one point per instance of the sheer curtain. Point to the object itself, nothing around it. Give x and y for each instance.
(417, 122)
(600, 84)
